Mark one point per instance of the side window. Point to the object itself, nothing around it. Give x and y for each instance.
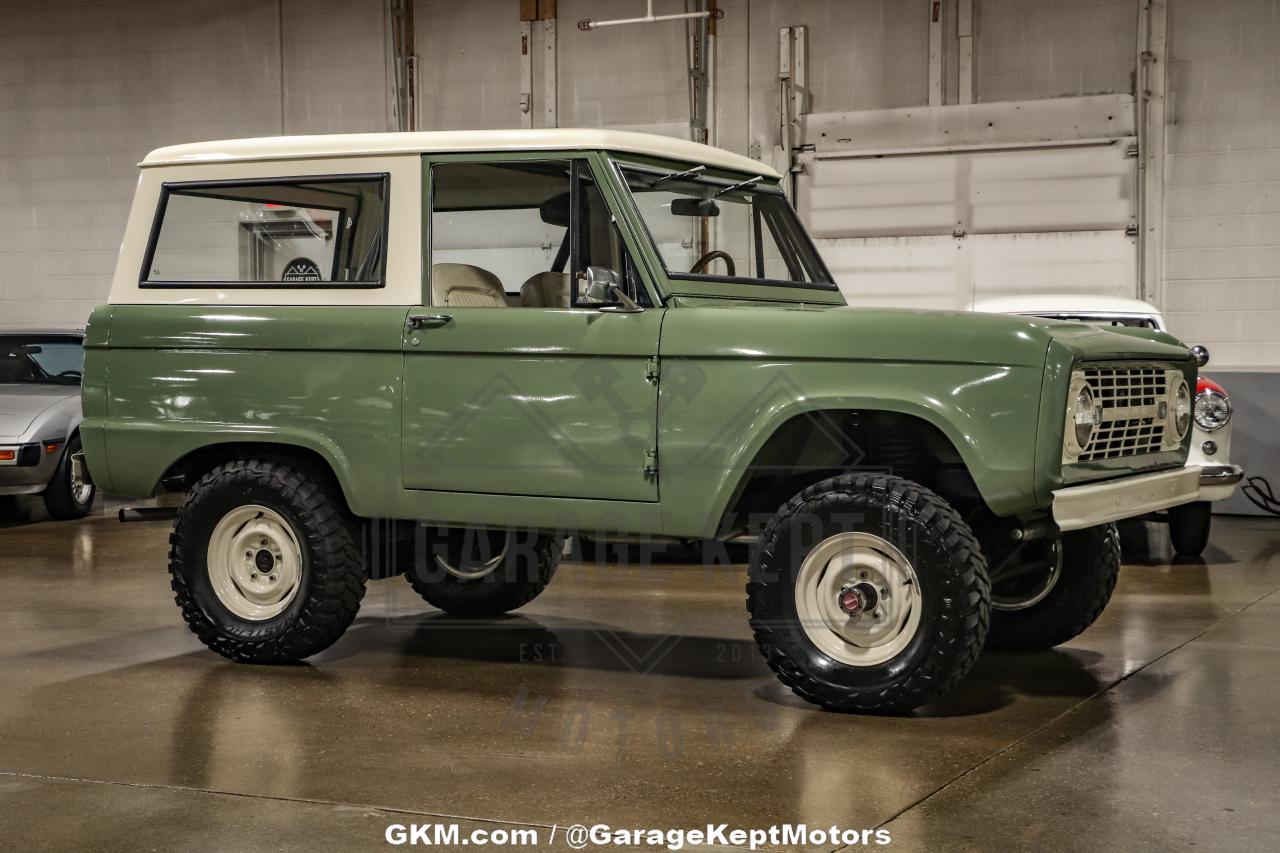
(508, 235)
(297, 232)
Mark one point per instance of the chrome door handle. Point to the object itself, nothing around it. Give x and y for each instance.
(428, 321)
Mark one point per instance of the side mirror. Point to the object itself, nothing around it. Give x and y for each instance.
(1201, 353)
(597, 287)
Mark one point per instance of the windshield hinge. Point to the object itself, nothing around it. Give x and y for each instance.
(651, 463)
(651, 369)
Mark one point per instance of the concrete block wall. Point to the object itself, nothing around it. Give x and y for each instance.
(1222, 181)
(1029, 49)
(470, 64)
(87, 87)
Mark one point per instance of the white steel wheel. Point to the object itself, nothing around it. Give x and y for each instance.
(858, 599)
(254, 562)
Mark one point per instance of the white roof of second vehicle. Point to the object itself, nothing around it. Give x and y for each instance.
(447, 141)
(1064, 303)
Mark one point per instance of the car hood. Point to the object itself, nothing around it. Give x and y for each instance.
(703, 327)
(20, 405)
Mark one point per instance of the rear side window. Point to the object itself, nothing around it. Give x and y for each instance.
(290, 232)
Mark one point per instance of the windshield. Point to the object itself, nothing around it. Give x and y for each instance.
(41, 359)
(735, 230)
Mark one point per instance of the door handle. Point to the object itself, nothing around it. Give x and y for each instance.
(428, 321)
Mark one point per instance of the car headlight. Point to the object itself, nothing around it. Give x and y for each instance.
(1181, 407)
(1212, 410)
(1082, 417)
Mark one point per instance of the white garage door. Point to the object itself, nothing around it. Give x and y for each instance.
(938, 230)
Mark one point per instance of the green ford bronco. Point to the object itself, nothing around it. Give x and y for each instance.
(486, 342)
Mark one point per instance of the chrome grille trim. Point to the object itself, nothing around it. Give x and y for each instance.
(1133, 403)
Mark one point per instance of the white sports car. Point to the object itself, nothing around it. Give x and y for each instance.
(40, 420)
(1211, 437)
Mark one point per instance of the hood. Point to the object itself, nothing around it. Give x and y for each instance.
(772, 330)
(20, 405)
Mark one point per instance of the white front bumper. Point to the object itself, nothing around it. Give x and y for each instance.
(1089, 505)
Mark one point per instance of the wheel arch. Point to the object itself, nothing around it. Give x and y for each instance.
(775, 449)
(183, 472)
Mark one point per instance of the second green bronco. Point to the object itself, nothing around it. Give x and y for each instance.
(480, 343)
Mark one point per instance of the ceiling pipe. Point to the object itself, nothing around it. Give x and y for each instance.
(587, 24)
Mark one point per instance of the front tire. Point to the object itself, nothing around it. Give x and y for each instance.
(264, 562)
(869, 594)
(477, 573)
(1089, 570)
(1189, 528)
(68, 496)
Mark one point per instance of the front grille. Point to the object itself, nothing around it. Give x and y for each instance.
(1134, 404)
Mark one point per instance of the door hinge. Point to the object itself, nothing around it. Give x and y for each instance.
(651, 463)
(651, 370)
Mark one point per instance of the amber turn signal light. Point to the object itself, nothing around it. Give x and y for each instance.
(8, 455)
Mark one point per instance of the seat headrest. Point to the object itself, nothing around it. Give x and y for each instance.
(466, 286)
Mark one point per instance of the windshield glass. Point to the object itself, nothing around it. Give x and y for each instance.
(41, 359)
(712, 229)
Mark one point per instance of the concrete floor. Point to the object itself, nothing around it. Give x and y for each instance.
(624, 696)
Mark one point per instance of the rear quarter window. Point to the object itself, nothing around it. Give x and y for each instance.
(272, 233)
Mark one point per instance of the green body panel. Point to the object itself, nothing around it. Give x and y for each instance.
(180, 378)
(543, 402)
(549, 418)
(731, 377)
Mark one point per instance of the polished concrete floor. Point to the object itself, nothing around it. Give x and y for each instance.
(625, 696)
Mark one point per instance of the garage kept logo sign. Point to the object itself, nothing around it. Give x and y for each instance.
(301, 269)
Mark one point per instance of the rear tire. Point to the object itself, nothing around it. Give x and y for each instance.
(1189, 528)
(869, 594)
(1090, 567)
(264, 562)
(475, 573)
(64, 497)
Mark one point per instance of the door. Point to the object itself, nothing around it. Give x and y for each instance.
(508, 388)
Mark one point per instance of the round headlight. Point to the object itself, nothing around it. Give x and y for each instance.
(1083, 416)
(1182, 408)
(1212, 410)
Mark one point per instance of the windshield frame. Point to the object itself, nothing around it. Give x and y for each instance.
(38, 338)
(680, 283)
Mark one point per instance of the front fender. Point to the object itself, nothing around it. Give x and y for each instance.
(715, 415)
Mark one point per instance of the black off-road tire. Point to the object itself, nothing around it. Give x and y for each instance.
(1189, 528)
(332, 580)
(59, 496)
(517, 580)
(1090, 567)
(950, 568)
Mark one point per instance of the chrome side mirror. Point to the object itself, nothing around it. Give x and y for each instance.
(597, 287)
(1201, 353)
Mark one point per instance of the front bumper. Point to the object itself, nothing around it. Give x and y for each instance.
(1077, 507)
(30, 469)
(1220, 476)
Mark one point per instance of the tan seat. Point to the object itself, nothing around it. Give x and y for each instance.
(465, 286)
(546, 290)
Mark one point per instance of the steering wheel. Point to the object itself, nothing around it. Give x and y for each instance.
(711, 256)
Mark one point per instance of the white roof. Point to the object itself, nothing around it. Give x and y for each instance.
(1064, 303)
(372, 144)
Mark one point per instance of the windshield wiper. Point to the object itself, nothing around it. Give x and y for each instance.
(675, 176)
(741, 185)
